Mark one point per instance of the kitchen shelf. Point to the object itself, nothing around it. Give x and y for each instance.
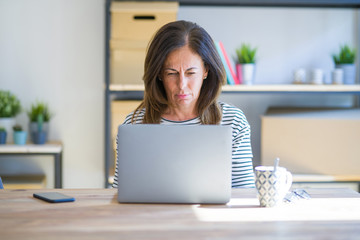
(285, 88)
(129, 92)
(293, 88)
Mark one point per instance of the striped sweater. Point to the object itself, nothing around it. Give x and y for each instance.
(242, 166)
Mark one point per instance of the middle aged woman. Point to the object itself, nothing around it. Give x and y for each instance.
(183, 78)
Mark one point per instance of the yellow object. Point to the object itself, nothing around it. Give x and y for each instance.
(30, 182)
(119, 111)
(132, 26)
(321, 141)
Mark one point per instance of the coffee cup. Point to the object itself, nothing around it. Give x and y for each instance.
(272, 185)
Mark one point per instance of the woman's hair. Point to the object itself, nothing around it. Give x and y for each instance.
(168, 38)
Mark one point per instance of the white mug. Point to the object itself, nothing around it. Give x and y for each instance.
(271, 185)
(317, 76)
(338, 76)
(299, 75)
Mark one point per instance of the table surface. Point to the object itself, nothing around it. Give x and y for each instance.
(96, 214)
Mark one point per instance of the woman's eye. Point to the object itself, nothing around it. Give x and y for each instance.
(190, 73)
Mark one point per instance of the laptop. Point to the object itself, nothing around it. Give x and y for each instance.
(174, 164)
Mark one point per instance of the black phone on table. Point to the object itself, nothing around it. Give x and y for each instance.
(53, 197)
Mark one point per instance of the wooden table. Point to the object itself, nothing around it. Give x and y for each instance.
(96, 214)
(54, 149)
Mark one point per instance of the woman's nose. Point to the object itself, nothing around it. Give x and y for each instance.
(182, 81)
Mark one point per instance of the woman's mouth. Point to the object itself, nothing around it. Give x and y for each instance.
(182, 96)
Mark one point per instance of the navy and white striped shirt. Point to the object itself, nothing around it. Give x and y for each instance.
(242, 166)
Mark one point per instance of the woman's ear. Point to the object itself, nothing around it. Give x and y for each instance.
(160, 75)
(206, 72)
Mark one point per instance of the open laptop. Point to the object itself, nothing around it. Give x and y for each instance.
(174, 164)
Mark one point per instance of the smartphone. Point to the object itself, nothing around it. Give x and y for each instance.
(53, 197)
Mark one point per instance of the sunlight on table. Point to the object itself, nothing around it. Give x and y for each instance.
(249, 210)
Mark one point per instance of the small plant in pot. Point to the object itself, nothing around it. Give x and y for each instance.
(20, 136)
(9, 107)
(39, 122)
(246, 58)
(2, 135)
(345, 60)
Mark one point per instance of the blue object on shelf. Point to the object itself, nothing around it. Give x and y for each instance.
(20, 137)
(1, 184)
(39, 137)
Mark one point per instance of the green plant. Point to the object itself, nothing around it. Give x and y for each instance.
(246, 54)
(346, 55)
(39, 110)
(9, 104)
(40, 122)
(2, 129)
(17, 128)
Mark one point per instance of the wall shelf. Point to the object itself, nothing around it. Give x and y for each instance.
(130, 92)
(293, 88)
(286, 88)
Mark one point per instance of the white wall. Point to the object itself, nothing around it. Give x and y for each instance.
(53, 51)
(287, 39)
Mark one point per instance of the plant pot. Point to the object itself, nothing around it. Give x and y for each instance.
(33, 129)
(20, 137)
(248, 73)
(3, 137)
(8, 124)
(39, 137)
(349, 72)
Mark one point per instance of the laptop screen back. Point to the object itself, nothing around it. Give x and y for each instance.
(174, 164)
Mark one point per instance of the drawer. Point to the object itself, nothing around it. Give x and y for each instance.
(127, 64)
(140, 20)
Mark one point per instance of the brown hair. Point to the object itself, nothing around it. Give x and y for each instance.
(172, 36)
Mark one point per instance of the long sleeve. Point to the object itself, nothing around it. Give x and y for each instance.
(242, 165)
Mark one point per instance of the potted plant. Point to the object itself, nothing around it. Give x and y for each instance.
(345, 60)
(9, 107)
(2, 135)
(246, 58)
(39, 116)
(19, 135)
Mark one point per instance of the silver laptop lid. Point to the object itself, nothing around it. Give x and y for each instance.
(174, 164)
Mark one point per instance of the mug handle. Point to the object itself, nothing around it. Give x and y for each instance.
(289, 180)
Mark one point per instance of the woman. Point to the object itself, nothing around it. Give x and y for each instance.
(183, 78)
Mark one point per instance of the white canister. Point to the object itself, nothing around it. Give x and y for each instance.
(338, 76)
(317, 76)
(299, 76)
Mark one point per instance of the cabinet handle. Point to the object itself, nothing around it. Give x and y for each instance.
(144, 17)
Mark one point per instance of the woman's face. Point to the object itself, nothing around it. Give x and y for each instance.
(183, 75)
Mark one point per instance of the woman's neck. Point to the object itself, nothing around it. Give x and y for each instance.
(179, 114)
